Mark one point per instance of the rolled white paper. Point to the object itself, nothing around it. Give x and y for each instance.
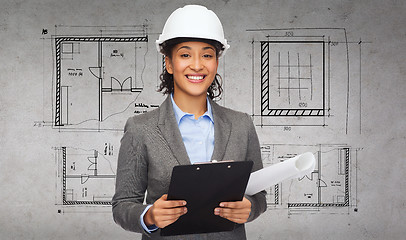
(294, 167)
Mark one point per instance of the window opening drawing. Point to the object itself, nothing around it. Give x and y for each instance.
(292, 78)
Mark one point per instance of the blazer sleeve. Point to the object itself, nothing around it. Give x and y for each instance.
(131, 180)
(258, 201)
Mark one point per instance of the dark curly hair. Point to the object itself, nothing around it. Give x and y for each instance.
(166, 87)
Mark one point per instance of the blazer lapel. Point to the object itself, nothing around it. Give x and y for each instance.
(222, 130)
(170, 131)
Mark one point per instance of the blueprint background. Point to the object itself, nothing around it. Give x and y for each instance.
(27, 165)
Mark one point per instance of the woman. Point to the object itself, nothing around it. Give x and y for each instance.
(188, 127)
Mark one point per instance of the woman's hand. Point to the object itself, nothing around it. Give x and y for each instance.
(164, 212)
(237, 212)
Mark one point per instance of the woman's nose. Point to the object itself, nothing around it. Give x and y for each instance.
(196, 64)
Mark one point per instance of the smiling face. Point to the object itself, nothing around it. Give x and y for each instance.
(193, 66)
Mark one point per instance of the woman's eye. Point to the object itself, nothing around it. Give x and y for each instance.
(185, 55)
(207, 56)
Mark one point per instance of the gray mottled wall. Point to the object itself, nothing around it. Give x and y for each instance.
(367, 100)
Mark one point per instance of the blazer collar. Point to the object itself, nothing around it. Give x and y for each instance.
(170, 131)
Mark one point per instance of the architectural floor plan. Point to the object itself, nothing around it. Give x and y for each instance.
(305, 77)
(330, 188)
(96, 78)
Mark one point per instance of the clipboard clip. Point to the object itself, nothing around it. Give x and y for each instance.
(214, 161)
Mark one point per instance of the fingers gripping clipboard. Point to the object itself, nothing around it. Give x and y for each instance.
(204, 186)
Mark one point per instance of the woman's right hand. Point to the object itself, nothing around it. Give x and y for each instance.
(165, 212)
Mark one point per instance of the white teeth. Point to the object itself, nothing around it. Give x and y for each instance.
(195, 77)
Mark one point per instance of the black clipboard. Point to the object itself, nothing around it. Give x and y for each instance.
(204, 186)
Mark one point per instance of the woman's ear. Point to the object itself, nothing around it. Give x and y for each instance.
(168, 65)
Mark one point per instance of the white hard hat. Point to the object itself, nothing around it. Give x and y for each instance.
(193, 21)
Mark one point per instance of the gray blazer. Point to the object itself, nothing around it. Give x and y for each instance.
(152, 145)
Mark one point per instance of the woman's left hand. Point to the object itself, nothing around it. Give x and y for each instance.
(237, 212)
